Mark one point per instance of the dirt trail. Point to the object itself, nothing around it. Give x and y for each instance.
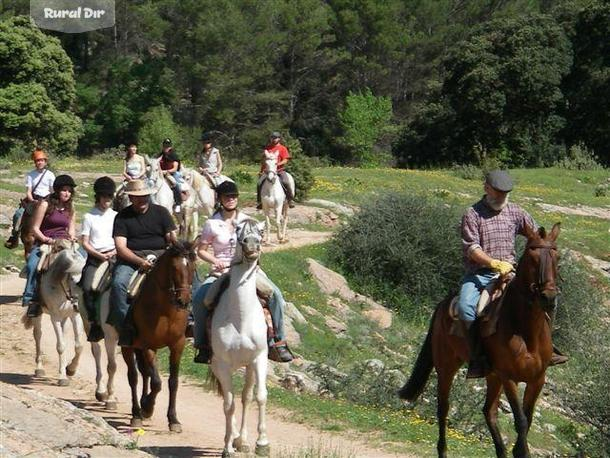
(199, 411)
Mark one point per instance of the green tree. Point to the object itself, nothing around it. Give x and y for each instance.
(37, 91)
(364, 120)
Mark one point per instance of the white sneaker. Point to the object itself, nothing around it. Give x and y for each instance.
(177, 209)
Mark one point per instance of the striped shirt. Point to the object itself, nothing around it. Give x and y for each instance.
(492, 231)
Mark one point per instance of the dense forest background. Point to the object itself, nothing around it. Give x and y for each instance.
(363, 82)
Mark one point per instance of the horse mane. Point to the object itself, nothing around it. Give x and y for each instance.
(181, 248)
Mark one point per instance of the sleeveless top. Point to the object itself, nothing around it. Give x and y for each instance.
(134, 166)
(209, 162)
(56, 224)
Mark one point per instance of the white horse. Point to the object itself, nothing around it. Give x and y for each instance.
(57, 288)
(239, 338)
(162, 193)
(201, 198)
(273, 200)
(104, 388)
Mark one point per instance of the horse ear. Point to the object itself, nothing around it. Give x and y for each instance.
(555, 231)
(529, 232)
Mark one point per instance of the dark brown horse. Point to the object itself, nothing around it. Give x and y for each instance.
(160, 315)
(26, 233)
(519, 351)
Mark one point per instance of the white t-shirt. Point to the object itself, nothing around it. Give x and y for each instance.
(221, 236)
(46, 184)
(98, 226)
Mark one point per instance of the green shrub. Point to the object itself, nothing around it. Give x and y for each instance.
(300, 167)
(241, 177)
(467, 172)
(582, 331)
(402, 245)
(601, 190)
(579, 158)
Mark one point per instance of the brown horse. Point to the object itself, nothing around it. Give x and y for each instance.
(519, 351)
(160, 315)
(26, 233)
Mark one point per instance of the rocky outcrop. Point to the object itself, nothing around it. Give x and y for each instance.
(332, 283)
(34, 424)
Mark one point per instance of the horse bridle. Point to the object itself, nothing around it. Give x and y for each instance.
(545, 262)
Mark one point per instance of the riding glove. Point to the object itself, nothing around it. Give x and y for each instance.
(503, 267)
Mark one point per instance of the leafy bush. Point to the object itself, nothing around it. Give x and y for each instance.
(241, 177)
(467, 172)
(157, 124)
(579, 158)
(300, 167)
(582, 331)
(601, 190)
(402, 245)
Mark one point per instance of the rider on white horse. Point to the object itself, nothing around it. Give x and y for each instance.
(209, 161)
(98, 243)
(219, 233)
(278, 152)
(53, 219)
(170, 165)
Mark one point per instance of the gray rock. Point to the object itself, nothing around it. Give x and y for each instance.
(374, 366)
(337, 208)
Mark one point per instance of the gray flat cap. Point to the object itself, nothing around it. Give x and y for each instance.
(500, 180)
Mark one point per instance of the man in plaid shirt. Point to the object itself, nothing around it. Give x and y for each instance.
(489, 229)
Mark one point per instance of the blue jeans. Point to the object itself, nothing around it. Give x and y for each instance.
(31, 284)
(118, 294)
(470, 292)
(200, 312)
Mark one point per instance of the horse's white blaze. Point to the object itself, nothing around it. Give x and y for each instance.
(239, 338)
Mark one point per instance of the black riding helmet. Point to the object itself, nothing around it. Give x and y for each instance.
(227, 188)
(63, 180)
(104, 186)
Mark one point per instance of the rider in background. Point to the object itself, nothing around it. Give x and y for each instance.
(98, 243)
(219, 233)
(209, 162)
(170, 166)
(38, 183)
(278, 152)
(54, 218)
(135, 166)
(489, 229)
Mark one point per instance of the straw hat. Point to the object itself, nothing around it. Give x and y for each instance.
(137, 188)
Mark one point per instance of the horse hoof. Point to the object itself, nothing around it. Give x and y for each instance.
(63, 382)
(70, 372)
(263, 450)
(226, 454)
(135, 423)
(245, 448)
(101, 397)
(39, 373)
(175, 427)
(111, 405)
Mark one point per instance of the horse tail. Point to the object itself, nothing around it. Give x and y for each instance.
(212, 382)
(421, 372)
(28, 323)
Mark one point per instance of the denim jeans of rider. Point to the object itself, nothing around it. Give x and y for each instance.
(470, 293)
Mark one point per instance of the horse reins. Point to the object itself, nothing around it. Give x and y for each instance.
(545, 261)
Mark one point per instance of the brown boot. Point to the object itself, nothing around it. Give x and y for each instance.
(12, 242)
(478, 366)
(280, 353)
(557, 357)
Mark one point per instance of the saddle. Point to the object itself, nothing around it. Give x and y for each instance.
(102, 277)
(137, 278)
(48, 253)
(263, 292)
(488, 309)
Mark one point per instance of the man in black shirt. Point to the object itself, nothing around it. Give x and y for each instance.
(140, 229)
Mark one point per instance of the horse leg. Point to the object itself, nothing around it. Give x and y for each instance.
(175, 354)
(79, 330)
(60, 347)
(284, 221)
(37, 331)
(222, 371)
(260, 369)
(241, 443)
(443, 388)
(532, 391)
(100, 391)
(150, 372)
(111, 339)
(278, 223)
(490, 410)
(520, 449)
(132, 376)
(267, 236)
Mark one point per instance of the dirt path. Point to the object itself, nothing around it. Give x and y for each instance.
(199, 411)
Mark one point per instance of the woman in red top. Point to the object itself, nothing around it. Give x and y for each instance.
(53, 219)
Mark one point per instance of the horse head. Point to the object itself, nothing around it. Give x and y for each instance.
(539, 265)
(180, 264)
(249, 238)
(271, 170)
(66, 261)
